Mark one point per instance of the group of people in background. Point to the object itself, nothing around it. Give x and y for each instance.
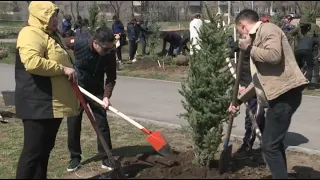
(137, 32)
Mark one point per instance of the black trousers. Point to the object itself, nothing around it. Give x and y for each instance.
(305, 56)
(277, 123)
(316, 71)
(119, 49)
(133, 45)
(143, 45)
(252, 103)
(172, 47)
(119, 53)
(39, 140)
(74, 129)
(183, 46)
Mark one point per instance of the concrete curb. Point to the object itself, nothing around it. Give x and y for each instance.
(234, 138)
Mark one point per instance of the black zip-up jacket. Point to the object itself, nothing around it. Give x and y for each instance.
(246, 77)
(307, 43)
(143, 31)
(91, 67)
(173, 38)
(133, 32)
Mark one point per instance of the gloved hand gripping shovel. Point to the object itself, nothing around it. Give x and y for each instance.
(114, 164)
(155, 138)
(226, 154)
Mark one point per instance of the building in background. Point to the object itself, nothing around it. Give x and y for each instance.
(169, 11)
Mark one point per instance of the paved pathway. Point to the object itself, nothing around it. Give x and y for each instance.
(160, 101)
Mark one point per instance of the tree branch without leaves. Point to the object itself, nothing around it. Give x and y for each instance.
(77, 8)
(71, 8)
(116, 6)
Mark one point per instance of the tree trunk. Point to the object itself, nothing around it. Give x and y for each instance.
(71, 8)
(132, 10)
(116, 5)
(77, 8)
(186, 9)
(271, 7)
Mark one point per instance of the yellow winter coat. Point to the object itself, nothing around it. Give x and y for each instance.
(42, 89)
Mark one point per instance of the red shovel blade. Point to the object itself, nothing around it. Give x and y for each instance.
(159, 143)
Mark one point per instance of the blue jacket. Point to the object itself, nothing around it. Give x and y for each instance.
(66, 26)
(117, 28)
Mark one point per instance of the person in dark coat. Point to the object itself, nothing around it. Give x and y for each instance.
(245, 80)
(173, 38)
(77, 24)
(118, 29)
(304, 50)
(94, 58)
(143, 35)
(133, 35)
(311, 30)
(183, 44)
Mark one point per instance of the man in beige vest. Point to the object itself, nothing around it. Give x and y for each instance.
(277, 81)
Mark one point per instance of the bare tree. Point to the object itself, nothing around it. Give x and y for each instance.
(306, 6)
(71, 9)
(132, 10)
(15, 6)
(144, 7)
(244, 5)
(117, 6)
(186, 9)
(77, 8)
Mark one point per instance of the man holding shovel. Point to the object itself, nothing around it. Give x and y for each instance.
(245, 80)
(277, 81)
(95, 57)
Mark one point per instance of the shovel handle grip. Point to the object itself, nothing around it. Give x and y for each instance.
(97, 100)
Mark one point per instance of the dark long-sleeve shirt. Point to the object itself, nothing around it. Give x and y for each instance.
(173, 38)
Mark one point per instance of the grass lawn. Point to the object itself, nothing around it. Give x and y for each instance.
(11, 23)
(10, 47)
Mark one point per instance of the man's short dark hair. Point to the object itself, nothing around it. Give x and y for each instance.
(197, 16)
(104, 34)
(247, 14)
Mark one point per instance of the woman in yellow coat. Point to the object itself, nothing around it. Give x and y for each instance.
(44, 94)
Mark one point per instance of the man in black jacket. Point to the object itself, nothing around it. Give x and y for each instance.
(173, 38)
(95, 57)
(143, 35)
(245, 80)
(133, 35)
(183, 44)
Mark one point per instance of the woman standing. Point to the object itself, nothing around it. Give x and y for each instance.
(118, 30)
(44, 94)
